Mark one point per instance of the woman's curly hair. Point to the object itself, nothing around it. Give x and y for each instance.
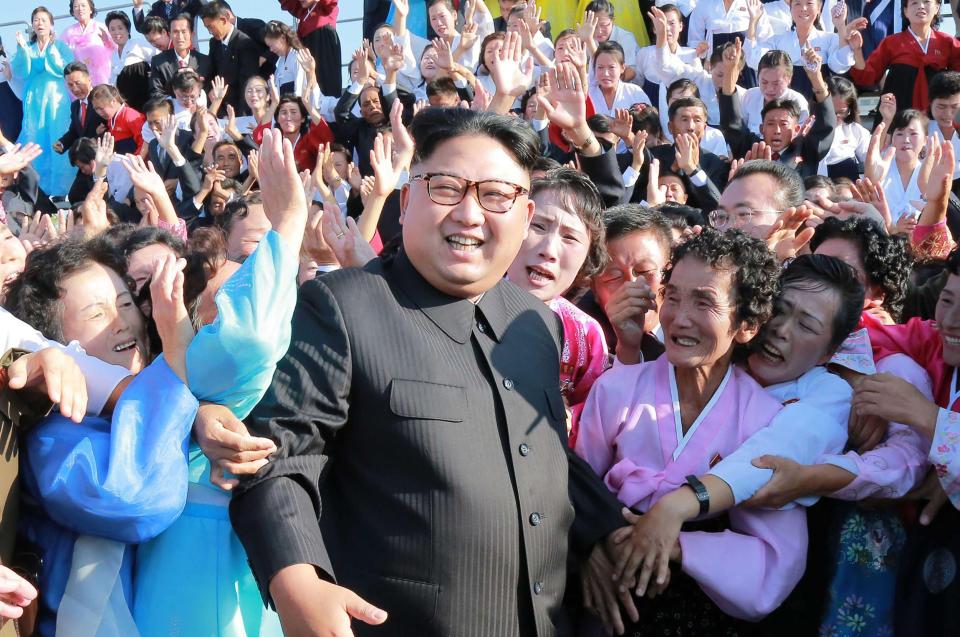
(34, 297)
(756, 273)
(886, 258)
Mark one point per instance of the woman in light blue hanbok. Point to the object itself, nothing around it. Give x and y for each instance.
(194, 579)
(94, 490)
(46, 105)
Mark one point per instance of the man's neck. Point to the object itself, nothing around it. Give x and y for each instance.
(182, 54)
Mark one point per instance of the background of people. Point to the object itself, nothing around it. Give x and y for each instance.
(725, 232)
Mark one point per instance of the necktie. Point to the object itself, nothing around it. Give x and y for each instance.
(775, 156)
(83, 112)
(183, 64)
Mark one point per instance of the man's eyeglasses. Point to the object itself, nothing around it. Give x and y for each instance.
(493, 195)
(722, 220)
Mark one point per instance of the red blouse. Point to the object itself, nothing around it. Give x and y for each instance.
(306, 149)
(322, 14)
(902, 50)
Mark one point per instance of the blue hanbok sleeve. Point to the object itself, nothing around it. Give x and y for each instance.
(124, 479)
(22, 62)
(231, 361)
(58, 59)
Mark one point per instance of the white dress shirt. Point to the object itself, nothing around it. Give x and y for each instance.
(850, 141)
(752, 103)
(827, 45)
(134, 52)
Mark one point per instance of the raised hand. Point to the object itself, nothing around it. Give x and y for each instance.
(345, 239)
(307, 61)
(93, 211)
(754, 11)
(510, 78)
(812, 61)
(18, 158)
(877, 163)
(531, 17)
(394, 61)
(576, 53)
(143, 175)
(759, 150)
(401, 7)
(659, 20)
(468, 35)
(169, 312)
(37, 232)
(656, 194)
(444, 54)
(566, 105)
(734, 167)
(621, 124)
(381, 159)
(284, 203)
(481, 98)
(168, 133)
(588, 28)
(638, 148)
(839, 17)
(105, 153)
(353, 177)
(21, 41)
(887, 107)
(785, 238)
(403, 145)
(218, 92)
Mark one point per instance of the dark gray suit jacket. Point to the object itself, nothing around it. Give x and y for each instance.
(428, 436)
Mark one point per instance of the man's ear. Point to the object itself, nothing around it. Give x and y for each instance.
(404, 200)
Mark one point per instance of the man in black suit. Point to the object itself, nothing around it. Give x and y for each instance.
(255, 29)
(168, 149)
(422, 456)
(166, 64)
(84, 121)
(235, 56)
(166, 9)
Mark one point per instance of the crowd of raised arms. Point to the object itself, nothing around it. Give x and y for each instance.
(539, 318)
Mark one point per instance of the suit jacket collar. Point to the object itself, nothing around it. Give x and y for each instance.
(454, 316)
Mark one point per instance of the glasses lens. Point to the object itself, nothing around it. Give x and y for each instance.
(445, 190)
(719, 219)
(497, 197)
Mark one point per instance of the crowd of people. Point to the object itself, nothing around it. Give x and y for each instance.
(570, 318)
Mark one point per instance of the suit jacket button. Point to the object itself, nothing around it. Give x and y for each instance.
(535, 519)
(537, 587)
(508, 384)
(481, 327)
(524, 449)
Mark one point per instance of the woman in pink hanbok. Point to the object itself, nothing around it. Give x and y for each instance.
(647, 429)
(90, 41)
(563, 248)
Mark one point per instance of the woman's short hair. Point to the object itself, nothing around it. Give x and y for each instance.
(93, 7)
(842, 88)
(755, 270)
(118, 15)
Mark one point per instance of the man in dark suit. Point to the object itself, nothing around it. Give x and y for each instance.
(168, 149)
(235, 56)
(422, 456)
(84, 121)
(166, 9)
(166, 64)
(359, 133)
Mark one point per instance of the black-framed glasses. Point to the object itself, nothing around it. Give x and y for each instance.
(493, 195)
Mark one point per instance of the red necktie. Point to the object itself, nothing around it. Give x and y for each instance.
(83, 112)
(183, 64)
(775, 156)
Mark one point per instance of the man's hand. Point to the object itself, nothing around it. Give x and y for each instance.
(169, 312)
(345, 239)
(510, 76)
(55, 374)
(228, 445)
(785, 238)
(284, 203)
(688, 153)
(601, 594)
(626, 310)
(311, 607)
(931, 491)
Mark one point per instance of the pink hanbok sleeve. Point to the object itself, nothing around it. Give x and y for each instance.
(750, 570)
(599, 422)
(897, 464)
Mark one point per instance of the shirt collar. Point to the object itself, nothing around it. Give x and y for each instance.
(229, 36)
(185, 58)
(454, 316)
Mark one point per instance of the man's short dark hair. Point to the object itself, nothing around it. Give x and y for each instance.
(433, 126)
(781, 104)
(84, 150)
(442, 87)
(155, 24)
(790, 191)
(215, 9)
(686, 102)
(599, 123)
(683, 84)
(158, 103)
(815, 272)
(630, 217)
(183, 17)
(76, 67)
(118, 15)
(185, 80)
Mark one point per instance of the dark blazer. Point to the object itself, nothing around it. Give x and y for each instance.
(236, 63)
(78, 130)
(159, 9)
(255, 28)
(427, 433)
(189, 175)
(704, 196)
(803, 154)
(356, 133)
(164, 67)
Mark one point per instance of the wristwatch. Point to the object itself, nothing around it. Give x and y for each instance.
(699, 490)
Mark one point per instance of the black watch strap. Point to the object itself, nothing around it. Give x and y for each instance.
(700, 490)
